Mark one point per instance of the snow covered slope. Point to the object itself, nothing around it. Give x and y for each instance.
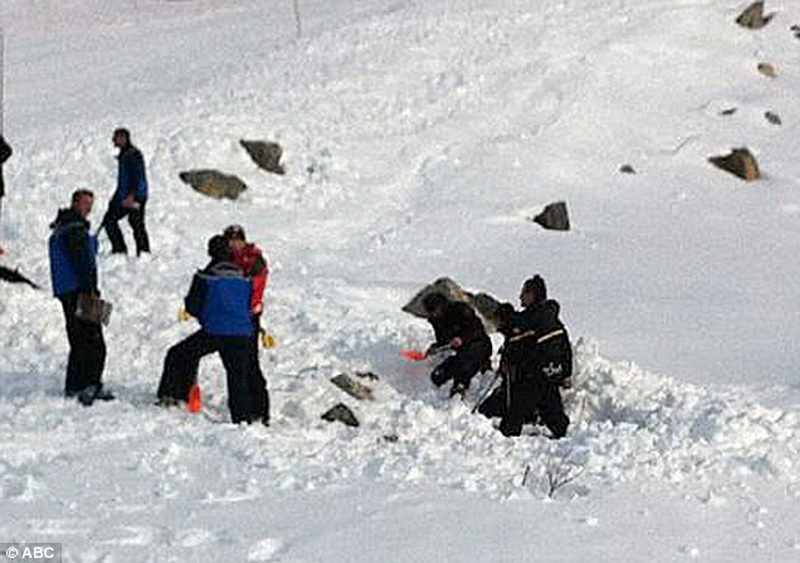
(418, 137)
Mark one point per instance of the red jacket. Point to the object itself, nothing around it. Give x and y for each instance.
(251, 260)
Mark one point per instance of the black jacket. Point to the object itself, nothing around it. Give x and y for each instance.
(5, 154)
(458, 319)
(537, 344)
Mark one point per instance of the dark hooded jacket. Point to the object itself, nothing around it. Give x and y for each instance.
(537, 343)
(458, 319)
(5, 154)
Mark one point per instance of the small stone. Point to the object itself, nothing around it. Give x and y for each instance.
(767, 70)
(773, 118)
(627, 169)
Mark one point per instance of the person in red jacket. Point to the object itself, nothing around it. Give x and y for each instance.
(251, 260)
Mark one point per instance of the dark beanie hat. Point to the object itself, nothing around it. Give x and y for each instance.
(536, 286)
(218, 247)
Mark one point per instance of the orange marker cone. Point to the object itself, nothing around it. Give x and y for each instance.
(195, 403)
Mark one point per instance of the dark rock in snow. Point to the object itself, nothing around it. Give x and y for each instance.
(265, 154)
(739, 162)
(484, 304)
(753, 17)
(773, 118)
(554, 217)
(342, 413)
(214, 183)
(627, 169)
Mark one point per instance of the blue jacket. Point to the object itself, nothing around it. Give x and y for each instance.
(131, 176)
(72, 254)
(220, 298)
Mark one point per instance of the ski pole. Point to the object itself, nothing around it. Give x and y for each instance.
(486, 392)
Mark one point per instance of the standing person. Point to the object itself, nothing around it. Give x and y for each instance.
(220, 298)
(74, 273)
(251, 260)
(536, 361)
(5, 154)
(457, 327)
(129, 198)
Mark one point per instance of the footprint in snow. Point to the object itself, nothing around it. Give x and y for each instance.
(265, 550)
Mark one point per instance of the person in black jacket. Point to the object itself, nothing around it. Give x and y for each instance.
(73, 273)
(219, 298)
(5, 154)
(129, 198)
(536, 360)
(458, 328)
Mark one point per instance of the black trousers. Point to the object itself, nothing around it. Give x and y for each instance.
(136, 220)
(257, 382)
(87, 349)
(528, 401)
(183, 360)
(464, 364)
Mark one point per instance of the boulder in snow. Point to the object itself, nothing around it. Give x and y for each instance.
(767, 70)
(342, 413)
(484, 304)
(554, 217)
(753, 17)
(214, 183)
(739, 162)
(266, 155)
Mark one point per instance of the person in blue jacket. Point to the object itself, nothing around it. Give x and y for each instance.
(130, 197)
(73, 272)
(219, 298)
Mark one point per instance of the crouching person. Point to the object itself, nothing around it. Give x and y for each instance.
(457, 328)
(536, 361)
(219, 298)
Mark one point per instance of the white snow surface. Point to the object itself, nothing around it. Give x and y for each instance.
(419, 138)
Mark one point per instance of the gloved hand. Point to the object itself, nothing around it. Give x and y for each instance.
(455, 342)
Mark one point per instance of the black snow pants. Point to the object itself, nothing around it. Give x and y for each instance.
(464, 364)
(524, 402)
(87, 349)
(116, 213)
(183, 360)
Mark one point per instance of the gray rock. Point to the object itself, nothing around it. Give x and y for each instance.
(214, 183)
(627, 169)
(739, 162)
(484, 304)
(753, 17)
(773, 118)
(342, 413)
(554, 217)
(265, 154)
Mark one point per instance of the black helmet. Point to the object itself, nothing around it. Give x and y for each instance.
(234, 231)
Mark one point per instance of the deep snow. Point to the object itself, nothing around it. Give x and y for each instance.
(432, 132)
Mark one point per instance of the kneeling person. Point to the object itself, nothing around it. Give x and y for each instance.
(457, 327)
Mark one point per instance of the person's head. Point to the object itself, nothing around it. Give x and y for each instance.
(434, 304)
(235, 236)
(218, 248)
(533, 291)
(121, 138)
(82, 202)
